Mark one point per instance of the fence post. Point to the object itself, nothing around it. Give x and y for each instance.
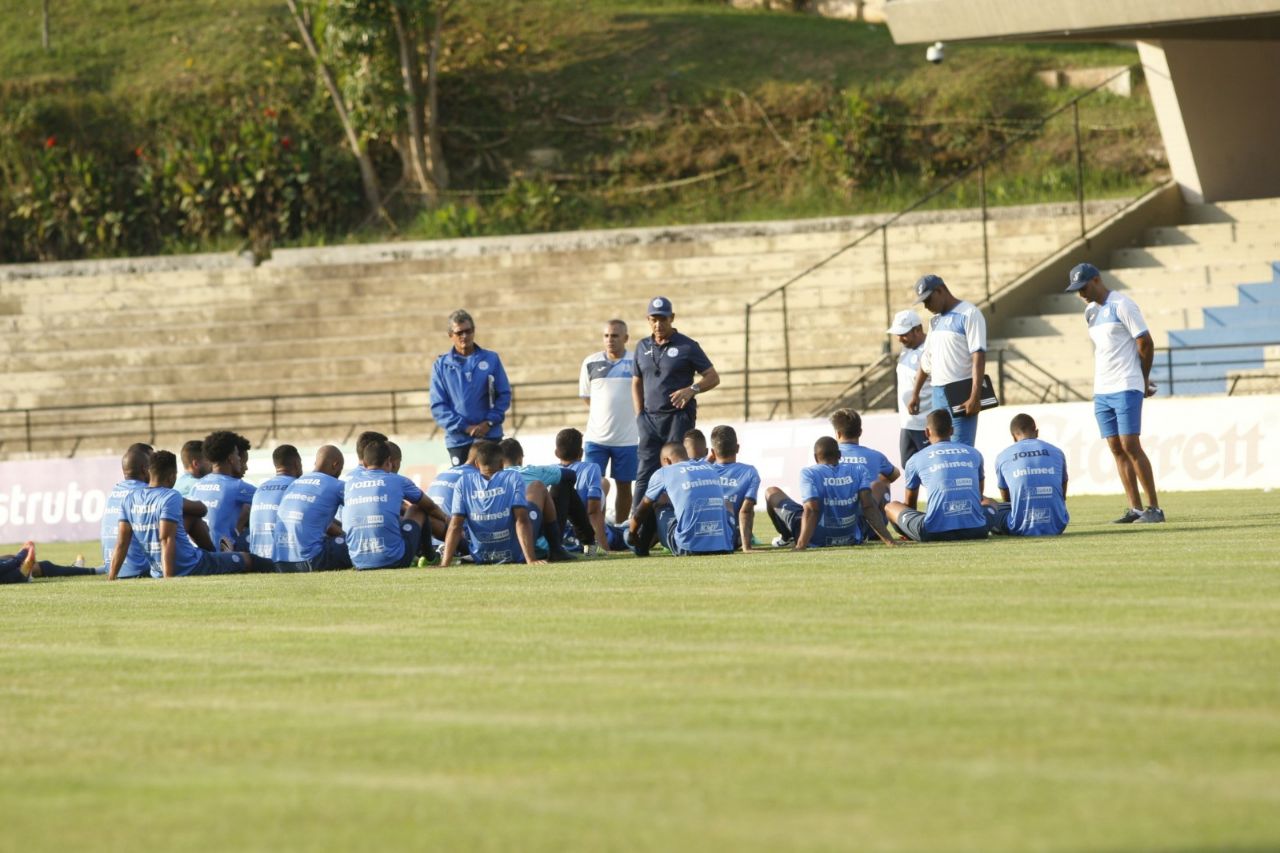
(986, 251)
(746, 363)
(1075, 112)
(28, 412)
(274, 429)
(151, 420)
(395, 420)
(1168, 356)
(1000, 372)
(884, 265)
(786, 349)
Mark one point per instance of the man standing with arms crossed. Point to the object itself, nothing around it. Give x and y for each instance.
(954, 351)
(605, 386)
(1122, 351)
(470, 393)
(910, 333)
(663, 389)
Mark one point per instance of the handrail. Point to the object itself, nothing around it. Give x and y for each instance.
(1031, 130)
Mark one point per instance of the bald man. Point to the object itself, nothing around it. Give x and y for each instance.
(309, 538)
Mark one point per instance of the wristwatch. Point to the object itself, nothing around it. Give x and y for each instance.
(695, 388)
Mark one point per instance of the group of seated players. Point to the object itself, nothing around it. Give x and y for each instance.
(494, 508)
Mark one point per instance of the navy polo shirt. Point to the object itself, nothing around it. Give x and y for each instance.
(666, 368)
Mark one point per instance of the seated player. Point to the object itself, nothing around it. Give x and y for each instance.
(242, 448)
(686, 499)
(154, 515)
(378, 536)
(489, 505)
(194, 466)
(587, 481)
(1032, 477)
(441, 493)
(835, 499)
(227, 496)
(264, 510)
(308, 536)
(365, 438)
(741, 481)
(848, 428)
(23, 566)
(695, 444)
(133, 465)
(952, 474)
(552, 495)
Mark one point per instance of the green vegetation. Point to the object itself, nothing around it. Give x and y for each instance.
(176, 126)
(1114, 689)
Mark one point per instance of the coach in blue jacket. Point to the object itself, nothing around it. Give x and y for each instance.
(470, 393)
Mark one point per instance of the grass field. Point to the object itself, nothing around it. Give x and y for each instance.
(1116, 689)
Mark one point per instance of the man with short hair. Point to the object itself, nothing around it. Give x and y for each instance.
(663, 390)
(194, 466)
(379, 536)
(835, 499)
(265, 507)
(470, 393)
(604, 384)
(1032, 477)
(363, 440)
(952, 474)
(551, 492)
(227, 496)
(695, 444)
(847, 425)
(154, 515)
(308, 536)
(910, 333)
(692, 513)
(955, 352)
(1123, 352)
(136, 477)
(587, 482)
(489, 505)
(741, 482)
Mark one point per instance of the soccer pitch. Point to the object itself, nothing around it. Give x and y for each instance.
(1118, 688)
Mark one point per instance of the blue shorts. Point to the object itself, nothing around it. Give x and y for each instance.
(220, 563)
(333, 555)
(964, 428)
(625, 460)
(911, 523)
(411, 536)
(1119, 413)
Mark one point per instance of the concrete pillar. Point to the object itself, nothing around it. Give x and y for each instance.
(1218, 106)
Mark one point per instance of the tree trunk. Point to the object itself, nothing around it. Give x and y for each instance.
(414, 145)
(368, 178)
(439, 170)
(44, 24)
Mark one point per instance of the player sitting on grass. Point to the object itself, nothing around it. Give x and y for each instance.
(308, 537)
(552, 495)
(194, 467)
(154, 515)
(741, 482)
(265, 508)
(952, 475)
(489, 505)
(835, 498)
(133, 465)
(587, 482)
(1032, 477)
(685, 505)
(23, 566)
(226, 495)
(695, 444)
(848, 428)
(378, 535)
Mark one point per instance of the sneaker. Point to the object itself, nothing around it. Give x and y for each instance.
(1150, 515)
(1130, 516)
(781, 541)
(79, 562)
(592, 550)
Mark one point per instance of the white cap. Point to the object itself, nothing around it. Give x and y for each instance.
(903, 322)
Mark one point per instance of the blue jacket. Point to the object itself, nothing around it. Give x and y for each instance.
(466, 390)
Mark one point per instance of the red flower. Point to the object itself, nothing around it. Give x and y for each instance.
(286, 143)
(268, 112)
(137, 152)
(50, 142)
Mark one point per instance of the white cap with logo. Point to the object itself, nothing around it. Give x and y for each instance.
(904, 321)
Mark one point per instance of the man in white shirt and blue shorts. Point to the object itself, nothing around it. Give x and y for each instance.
(1123, 352)
(955, 351)
(611, 435)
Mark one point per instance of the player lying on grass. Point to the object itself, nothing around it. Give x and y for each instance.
(835, 500)
(952, 474)
(1032, 477)
(490, 507)
(23, 566)
(684, 504)
(379, 534)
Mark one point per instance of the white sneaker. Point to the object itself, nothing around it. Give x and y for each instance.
(781, 541)
(79, 563)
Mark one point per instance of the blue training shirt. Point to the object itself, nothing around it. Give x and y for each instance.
(144, 509)
(951, 473)
(263, 515)
(873, 460)
(184, 483)
(371, 517)
(703, 523)
(488, 507)
(135, 562)
(466, 390)
(441, 489)
(837, 489)
(307, 508)
(587, 480)
(1034, 471)
(741, 483)
(224, 496)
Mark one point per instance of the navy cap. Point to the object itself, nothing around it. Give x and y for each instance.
(926, 285)
(659, 306)
(1081, 274)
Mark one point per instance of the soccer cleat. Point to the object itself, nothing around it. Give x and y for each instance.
(1150, 515)
(560, 555)
(592, 550)
(1130, 516)
(781, 541)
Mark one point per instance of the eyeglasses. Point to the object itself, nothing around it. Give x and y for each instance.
(457, 333)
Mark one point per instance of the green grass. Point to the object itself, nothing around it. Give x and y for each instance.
(1113, 689)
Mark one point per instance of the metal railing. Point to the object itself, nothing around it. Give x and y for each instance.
(978, 168)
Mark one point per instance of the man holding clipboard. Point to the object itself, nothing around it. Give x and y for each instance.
(955, 358)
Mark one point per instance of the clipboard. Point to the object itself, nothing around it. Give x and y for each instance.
(957, 394)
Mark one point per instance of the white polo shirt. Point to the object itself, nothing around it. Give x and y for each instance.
(908, 362)
(611, 420)
(1114, 326)
(953, 338)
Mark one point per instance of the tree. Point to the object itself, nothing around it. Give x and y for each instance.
(379, 62)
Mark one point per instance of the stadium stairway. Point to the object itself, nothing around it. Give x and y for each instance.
(340, 322)
(1209, 289)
